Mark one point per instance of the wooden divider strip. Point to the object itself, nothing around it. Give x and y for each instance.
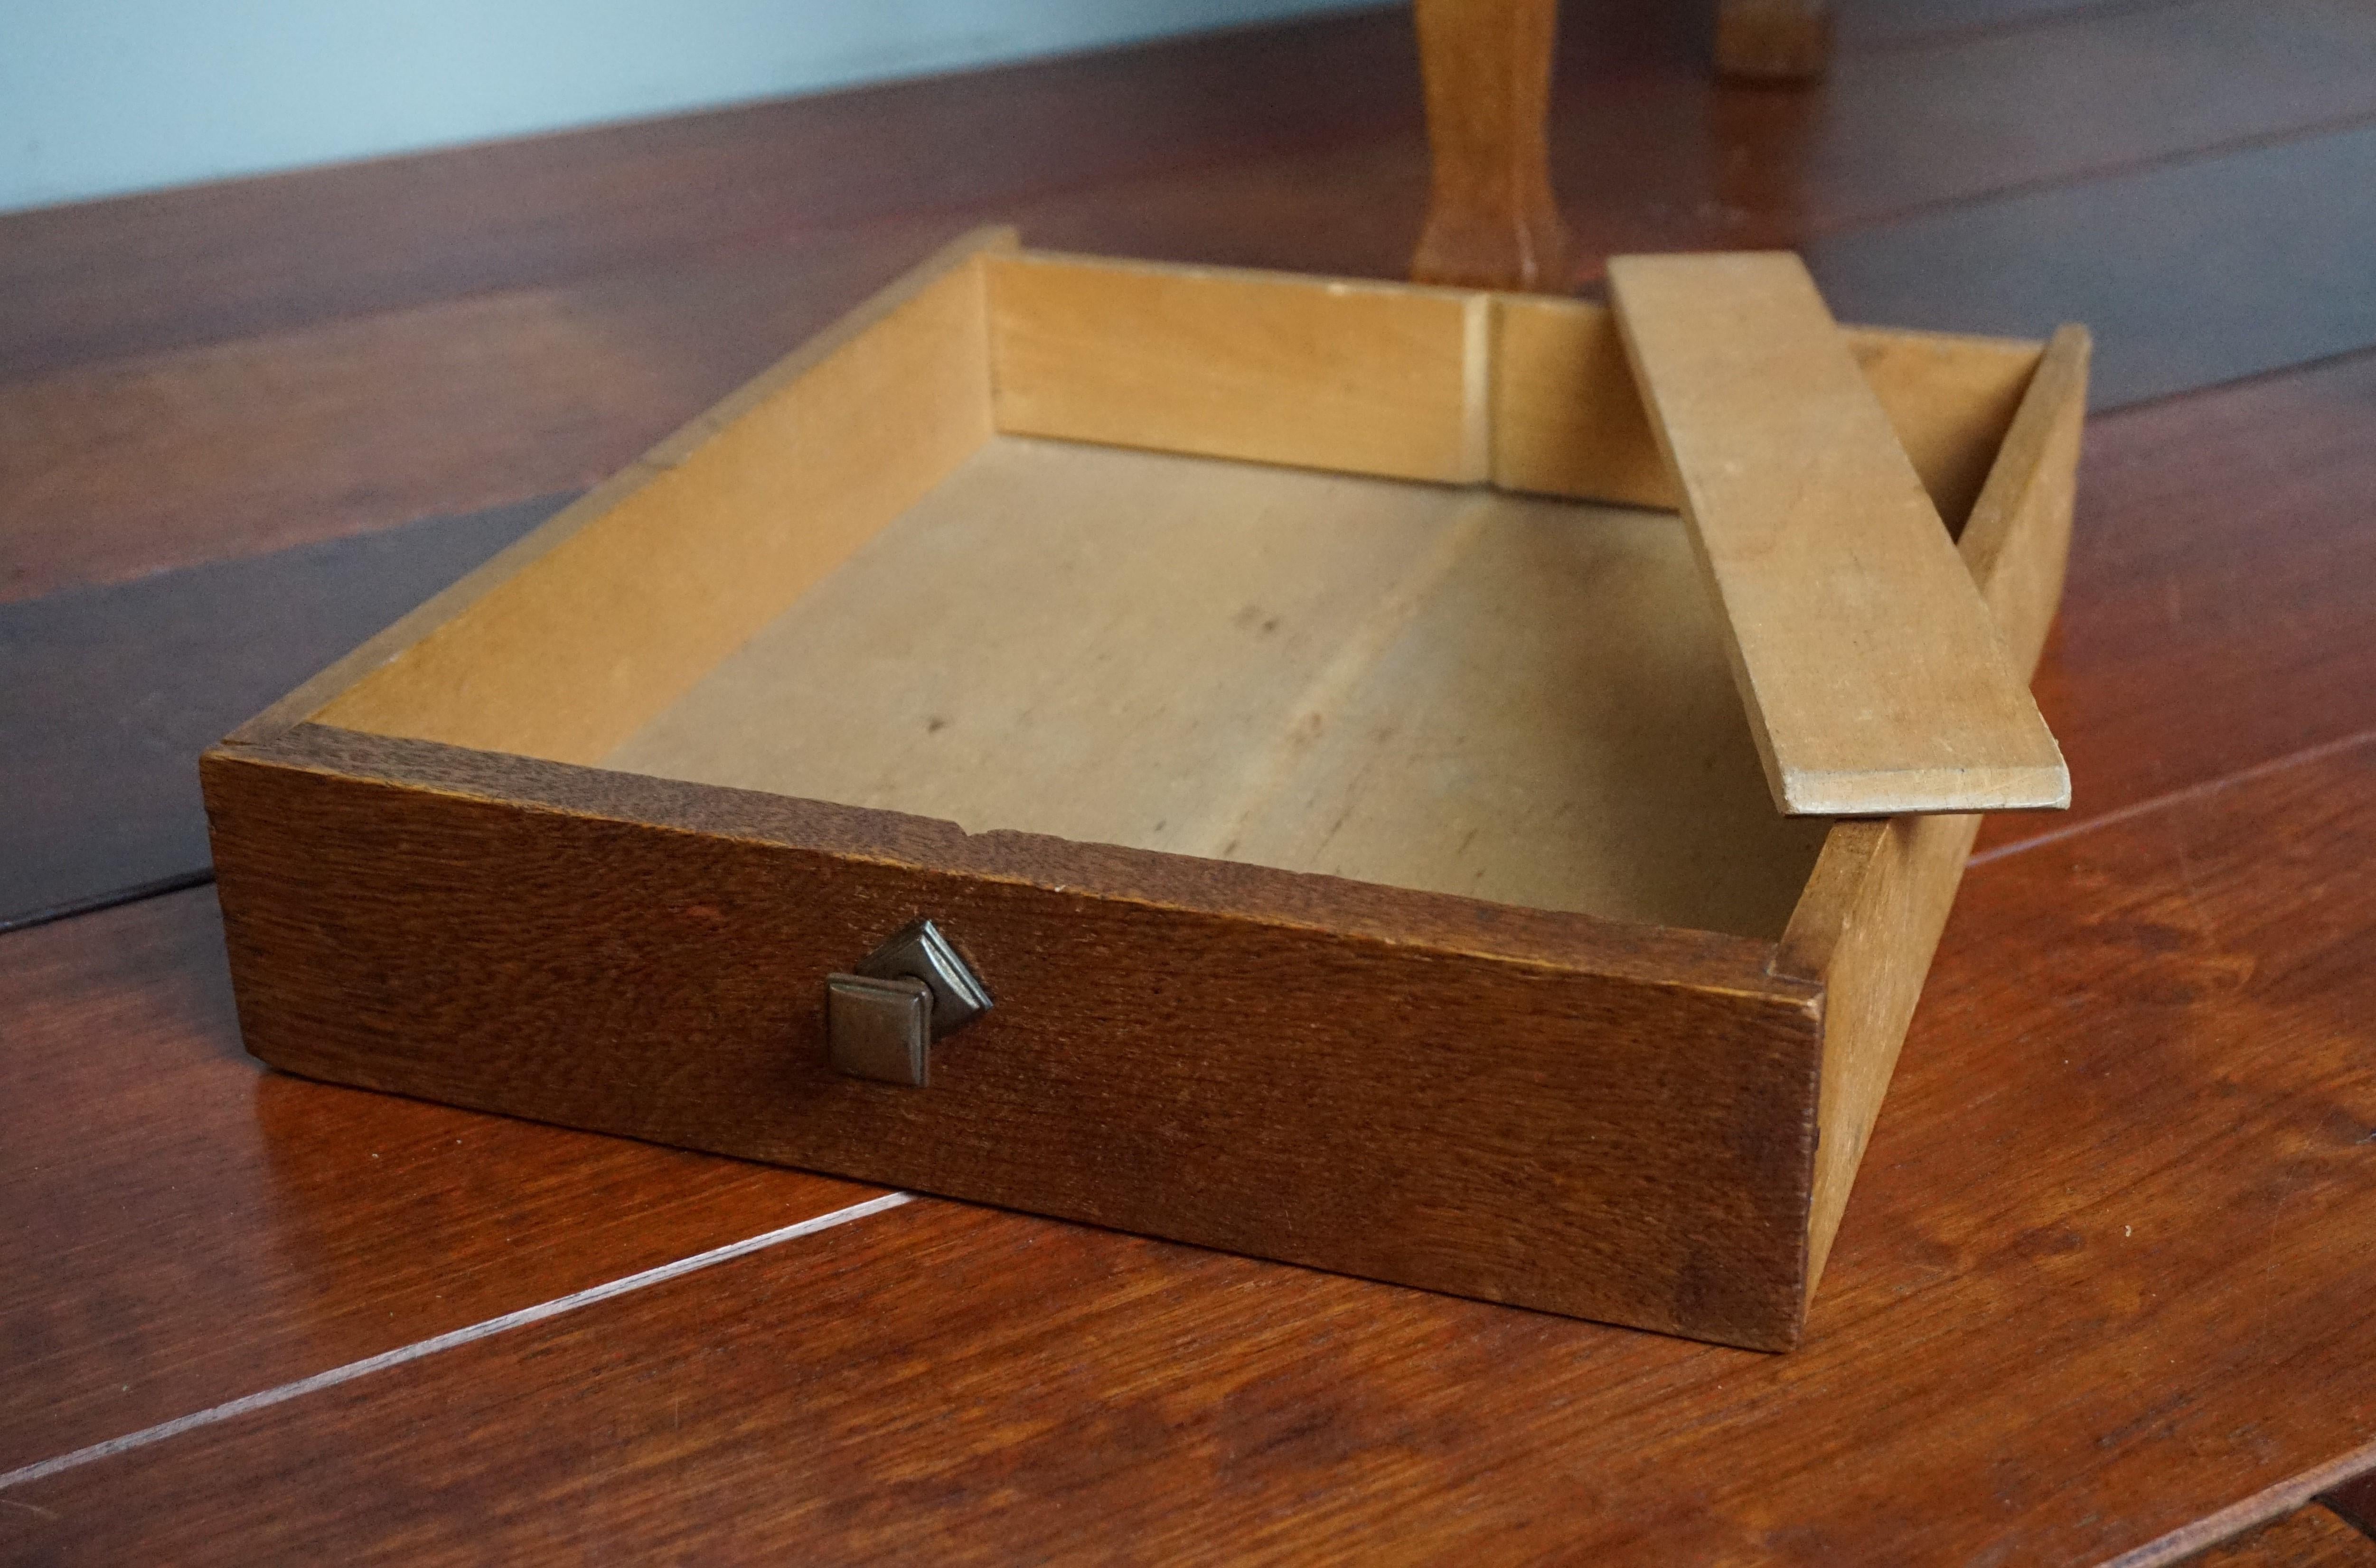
(1383, 379)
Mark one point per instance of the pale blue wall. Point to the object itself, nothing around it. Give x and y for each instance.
(101, 97)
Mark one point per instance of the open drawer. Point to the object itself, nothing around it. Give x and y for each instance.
(1286, 694)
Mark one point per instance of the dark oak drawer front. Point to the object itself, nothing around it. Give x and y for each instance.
(1609, 1145)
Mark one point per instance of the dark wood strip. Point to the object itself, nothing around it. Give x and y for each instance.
(2199, 272)
(113, 692)
(1882, 24)
(2355, 1501)
(185, 1228)
(2308, 1537)
(2110, 1231)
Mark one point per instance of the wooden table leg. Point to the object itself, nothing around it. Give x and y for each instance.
(1773, 41)
(1492, 220)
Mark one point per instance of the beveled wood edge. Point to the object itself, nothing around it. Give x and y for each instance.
(2059, 382)
(1443, 923)
(2056, 403)
(670, 450)
(1280, 276)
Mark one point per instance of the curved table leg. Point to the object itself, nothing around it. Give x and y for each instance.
(1492, 220)
(1773, 41)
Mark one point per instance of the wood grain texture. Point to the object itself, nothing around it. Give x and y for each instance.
(2016, 543)
(101, 279)
(1420, 686)
(1873, 677)
(2216, 622)
(1204, 1196)
(1492, 221)
(1192, 1049)
(1649, 154)
(133, 466)
(185, 1228)
(1362, 378)
(648, 581)
(2117, 1216)
(2308, 1537)
(2172, 582)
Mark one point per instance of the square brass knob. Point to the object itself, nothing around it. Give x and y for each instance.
(880, 1029)
(881, 1020)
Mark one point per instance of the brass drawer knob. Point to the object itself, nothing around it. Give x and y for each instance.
(882, 1017)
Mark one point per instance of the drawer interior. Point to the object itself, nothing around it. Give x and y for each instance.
(1334, 577)
(1454, 690)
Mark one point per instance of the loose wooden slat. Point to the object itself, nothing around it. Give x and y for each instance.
(185, 1228)
(1873, 679)
(2128, 1138)
(1379, 379)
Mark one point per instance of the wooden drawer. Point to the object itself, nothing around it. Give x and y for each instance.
(1284, 692)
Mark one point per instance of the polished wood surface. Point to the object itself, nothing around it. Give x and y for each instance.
(2105, 1274)
(2050, 1326)
(186, 1228)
